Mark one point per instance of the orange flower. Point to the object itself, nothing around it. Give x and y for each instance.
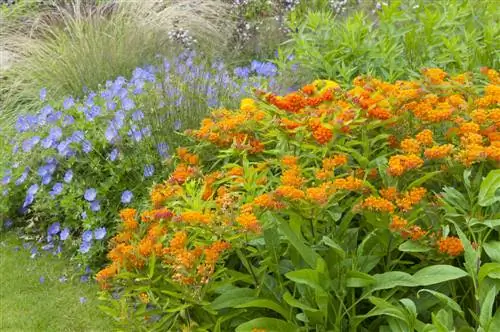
(378, 204)
(289, 124)
(416, 233)
(349, 183)
(399, 164)
(398, 223)
(127, 214)
(379, 113)
(181, 173)
(411, 198)
(435, 75)
(390, 193)
(317, 195)
(187, 157)
(322, 134)
(292, 177)
(193, 217)
(410, 145)
(425, 137)
(290, 193)
(469, 127)
(290, 161)
(330, 163)
(450, 245)
(249, 222)
(267, 201)
(438, 151)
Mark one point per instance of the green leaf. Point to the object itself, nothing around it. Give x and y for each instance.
(309, 277)
(152, 263)
(491, 270)
(488, 189)
(492, 249)
(486, 315)
(422, 179)
(296, 303)
(233, 297)
(268, 304)
(413, 246)
(393, 279)
(334, 245)
(444, 299)
(436, 274)
(359, 279)
(269, 324)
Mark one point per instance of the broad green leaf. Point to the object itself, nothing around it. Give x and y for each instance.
(269, 324)
(265, 303)
(359, 279)
(444, 299)
(336, 247)
(489, 187)
(233, 298)
(492, 249)
(491, 270)
(422, 179)
(486, 314)
(309, 277)
(393, 279)
(436, 274)
(296, 303)
(413, 246)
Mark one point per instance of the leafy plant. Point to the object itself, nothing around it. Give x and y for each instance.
(323, 210)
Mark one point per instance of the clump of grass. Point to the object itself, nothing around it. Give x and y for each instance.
(77, 46)
(27, 304)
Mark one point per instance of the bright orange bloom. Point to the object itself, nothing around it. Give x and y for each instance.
(425, 137)
(181, 173)
(249, 222)
(469, 127)
(330, 163)
(193, 217)
(317, 195)
(290, 193)
(416, 233)
(450, 245)
(410, 145)
(379, 113)
(398, 223)
(292, 177)
(322, 134)
(349, 183)
(390, 193)
(126, 214)
(400, 164)
(267, 201)
(438, 151)
(185, 156)
(290, 161)
(435, 75)
(411, 198)
(378, 204)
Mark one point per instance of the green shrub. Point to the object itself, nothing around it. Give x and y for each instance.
(401, 38)
(366, 209)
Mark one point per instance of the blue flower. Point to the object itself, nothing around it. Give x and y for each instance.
(146, 131)
(90, 194)
(68, 120)
(48, 142)
(48, 246)
(54, 117)
(84, 278)
(33, 189)
(86, 146)
(63, 279)
(68, 103)
(163, 149)
(127, 196)
(149, 170)
(95, 206)
(68, 176)
(6, 179)
(84, 215)
(46, 179)
(242, 72)
(64, 234)
(85, 247)
(87, 236)
(54, 228)
(77, 136)
(127, 104)
(100, 233)
(28, 200)
(30, 143)
(55, 133)
(43, 94)
(119, 119)
(113, 155)
(56, 189)
(137, 115)
(42, 279)
(83, 300)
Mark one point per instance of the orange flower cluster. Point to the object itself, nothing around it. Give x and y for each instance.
(450, 245)
(399, 164)
(410, 198)
(378, 204)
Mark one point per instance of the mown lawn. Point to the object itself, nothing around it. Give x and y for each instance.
(28, 304)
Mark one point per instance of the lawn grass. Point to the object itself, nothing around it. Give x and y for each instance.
(26, 304)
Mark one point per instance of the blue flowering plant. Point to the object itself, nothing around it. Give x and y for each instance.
(72, 166)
